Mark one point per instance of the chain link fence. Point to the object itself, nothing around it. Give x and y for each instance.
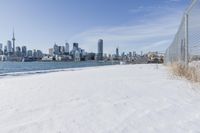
(185, 47)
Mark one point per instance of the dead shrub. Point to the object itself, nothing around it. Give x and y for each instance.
(189, 72)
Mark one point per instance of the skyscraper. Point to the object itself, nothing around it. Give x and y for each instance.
(9, 47)
(1, 46)
(5, 51)
(29, 53)
(39, 54)
(24, 51)
(1, 49)
(117, 52)
(75, 46)
(62, 49)
(100, 50)
(67, 48)
(13, 39)
(18, 51)
(56, 49)
(34, 53)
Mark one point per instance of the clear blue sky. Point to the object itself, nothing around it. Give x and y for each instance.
(127, 24)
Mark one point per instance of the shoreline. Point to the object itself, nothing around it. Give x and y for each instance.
(26, 73)
(69, 66)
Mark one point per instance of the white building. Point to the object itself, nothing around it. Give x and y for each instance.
(51, 51)
(47, 58)
(3, 58)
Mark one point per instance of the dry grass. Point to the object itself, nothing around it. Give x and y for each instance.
(189, 72)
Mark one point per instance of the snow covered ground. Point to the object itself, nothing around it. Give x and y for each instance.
(109, 99)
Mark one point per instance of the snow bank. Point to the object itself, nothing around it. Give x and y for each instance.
(195, 64)
(108, 99)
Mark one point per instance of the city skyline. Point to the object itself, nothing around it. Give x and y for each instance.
(11, 47)
(72, 21)
(10, 52)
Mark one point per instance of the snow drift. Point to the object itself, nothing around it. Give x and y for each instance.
(109, 99)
